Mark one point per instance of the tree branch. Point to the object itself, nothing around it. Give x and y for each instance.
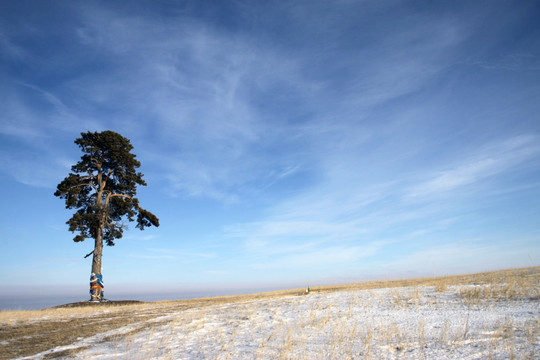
(108, 175)
(78, 185)
(121, 195)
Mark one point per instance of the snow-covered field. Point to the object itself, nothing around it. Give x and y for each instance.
(456, 322)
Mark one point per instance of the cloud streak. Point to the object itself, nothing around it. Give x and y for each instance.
(213, 97)
(491, 161)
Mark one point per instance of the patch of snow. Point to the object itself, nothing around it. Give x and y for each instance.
(405, 323)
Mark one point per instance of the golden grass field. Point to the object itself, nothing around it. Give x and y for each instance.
(25, 333)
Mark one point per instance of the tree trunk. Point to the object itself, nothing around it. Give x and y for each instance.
(98, 251)
(96, 289)
(96, 282)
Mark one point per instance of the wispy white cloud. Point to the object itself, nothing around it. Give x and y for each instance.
(138, 237)
(60, 259)
(181, 254)
(192, 89)
(467, 255)
(11, 51)
(38, 125)
(39, 167)
(151, 257)
(317, 258)
(293, 228)
(333, 133)
(513, 62)
(213, 98)
(171, 254)
(351, 221)
(490, 161)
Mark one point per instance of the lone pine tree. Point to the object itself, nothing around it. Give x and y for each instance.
(102, 187)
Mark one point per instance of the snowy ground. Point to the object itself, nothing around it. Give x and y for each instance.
(403, 323)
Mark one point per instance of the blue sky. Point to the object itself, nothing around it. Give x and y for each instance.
(284, 144)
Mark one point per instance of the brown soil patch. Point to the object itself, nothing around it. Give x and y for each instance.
(99, 304)
(33, 337)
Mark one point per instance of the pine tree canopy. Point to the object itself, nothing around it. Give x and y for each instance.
(102, 187)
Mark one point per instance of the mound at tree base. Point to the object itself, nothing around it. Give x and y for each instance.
(88, 303)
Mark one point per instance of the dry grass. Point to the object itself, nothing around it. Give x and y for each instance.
(510, 285)
(23, 333)
(525, 278)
